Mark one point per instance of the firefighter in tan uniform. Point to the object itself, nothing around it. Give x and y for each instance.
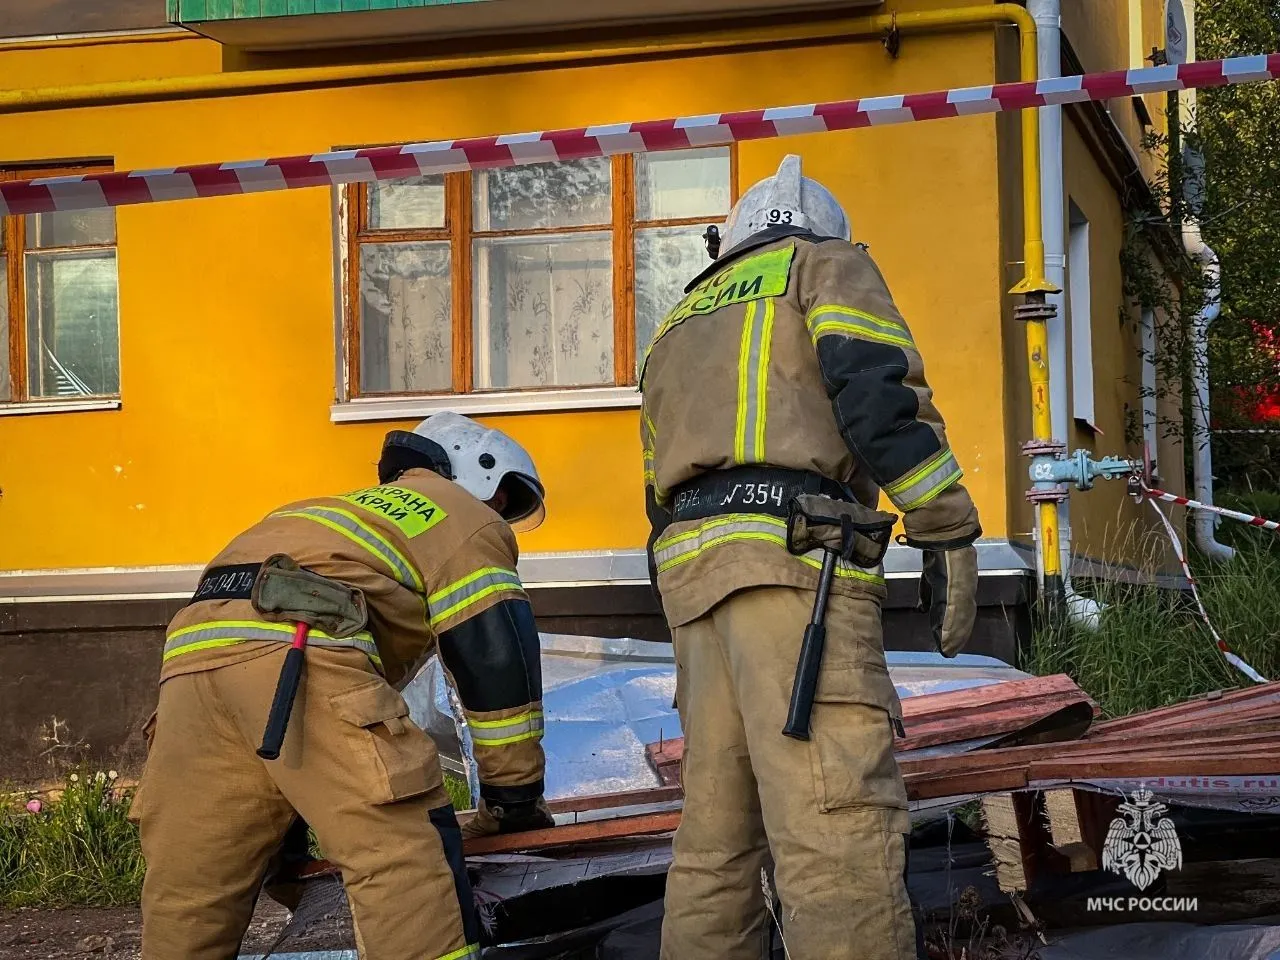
(432, 552)
(787, 370)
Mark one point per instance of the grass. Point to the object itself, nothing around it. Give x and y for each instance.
(1153, 649)
(80, 849)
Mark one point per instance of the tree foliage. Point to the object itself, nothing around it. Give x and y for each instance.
(1237, 128)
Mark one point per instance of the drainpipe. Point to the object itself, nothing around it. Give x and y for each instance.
(1205, 523)
(1048, 19)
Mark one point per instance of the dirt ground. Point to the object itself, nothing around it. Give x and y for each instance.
(116, 933)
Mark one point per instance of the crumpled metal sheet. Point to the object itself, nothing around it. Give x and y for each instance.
(605, 699)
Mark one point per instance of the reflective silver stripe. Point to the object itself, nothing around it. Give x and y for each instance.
(497, 733)
(925, 482)
(673, 550)
(680, 548)
(844, 569)
(753, 381)
(471, 589)
(225, 633)
(353, 529)
(851, 322)
(649, 437)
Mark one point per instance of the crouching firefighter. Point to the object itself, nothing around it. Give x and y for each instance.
(361, 587)
(781, 396)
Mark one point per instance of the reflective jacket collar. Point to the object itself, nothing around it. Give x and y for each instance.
(754, 242)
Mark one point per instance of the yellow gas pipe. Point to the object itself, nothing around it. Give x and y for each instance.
(1033, 285)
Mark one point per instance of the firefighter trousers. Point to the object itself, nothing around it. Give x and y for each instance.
(354, 766)
(828, 815)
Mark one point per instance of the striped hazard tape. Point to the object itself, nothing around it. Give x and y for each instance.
(51, 194)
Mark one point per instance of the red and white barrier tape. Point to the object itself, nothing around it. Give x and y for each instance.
(1248, 518)
(1151, 497)
(51, 194)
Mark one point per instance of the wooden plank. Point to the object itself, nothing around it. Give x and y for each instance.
(607, 801)
(574, 833)
(1218, 702)
(1017, 836)
(960, 703)
(1067, 832)
(1084, 750)
(1129, 768)
(604, 801)
(994, 722)
(993, 780)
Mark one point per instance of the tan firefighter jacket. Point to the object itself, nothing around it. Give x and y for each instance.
(438, 571)
(788, 352)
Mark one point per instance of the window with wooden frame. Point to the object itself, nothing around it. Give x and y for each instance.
(59, 317)
(549, 276)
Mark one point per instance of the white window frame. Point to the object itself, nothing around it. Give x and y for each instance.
(1080, 313)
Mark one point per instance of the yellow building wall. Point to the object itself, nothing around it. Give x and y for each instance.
(227, 305)
(1119, 35)
(1106, 524)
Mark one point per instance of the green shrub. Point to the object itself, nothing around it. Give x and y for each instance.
(79, 849)
(1152, 647)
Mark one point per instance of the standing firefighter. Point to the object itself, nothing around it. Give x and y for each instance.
(787, 379)
(380, 578)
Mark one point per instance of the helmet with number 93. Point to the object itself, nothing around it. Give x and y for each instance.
(787, 199)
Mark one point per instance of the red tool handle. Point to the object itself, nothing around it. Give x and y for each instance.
(286, 690)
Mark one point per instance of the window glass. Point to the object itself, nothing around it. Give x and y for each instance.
(574, 193)
(73, 347)
(406, 318)
(543, 311)
(682, 184)
(667, 258)
(407, 204)
(76, 228)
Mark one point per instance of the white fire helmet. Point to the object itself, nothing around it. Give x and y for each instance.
(787, 199)
(482, 461)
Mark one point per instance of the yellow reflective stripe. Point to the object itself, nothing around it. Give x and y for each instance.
(744, 381)
(526, 726)
(928, 467)
(673, 551)
(226, 633)
(470, 590)
(858, 332)
(925, 483)
(519, 738)
(672, 539)
(762, 380)
(650, 439)
(508, 722)
(862, 315)
(201, 645)
(364, 536)
(466, 953)
(715, 542)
